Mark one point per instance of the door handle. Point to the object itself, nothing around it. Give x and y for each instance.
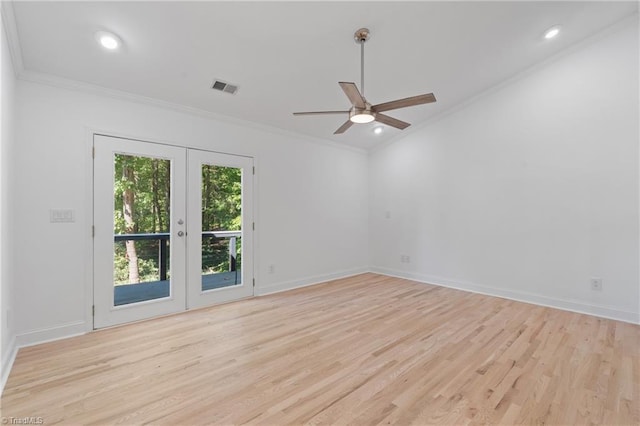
(180, 233)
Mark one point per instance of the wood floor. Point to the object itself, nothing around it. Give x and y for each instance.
(363, 350)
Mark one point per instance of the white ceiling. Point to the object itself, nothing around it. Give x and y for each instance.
(289, 56)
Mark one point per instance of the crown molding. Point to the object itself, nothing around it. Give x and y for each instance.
(8, 18)
(13, 40)
(572, 48)
(11, 32)
(69, 84)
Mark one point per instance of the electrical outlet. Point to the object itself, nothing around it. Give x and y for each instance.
(405, 259)
(272, 268)
(596, 284)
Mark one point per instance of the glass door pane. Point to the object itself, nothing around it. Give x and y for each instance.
(221, 248)
(142, 196)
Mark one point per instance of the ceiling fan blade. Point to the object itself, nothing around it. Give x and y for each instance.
(344, 127)
(320, 112)
(406, 102)
(390, 121)
(353, 94)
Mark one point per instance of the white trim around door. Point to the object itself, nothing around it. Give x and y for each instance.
(185, 282)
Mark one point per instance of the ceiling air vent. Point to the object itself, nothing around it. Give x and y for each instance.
(224, 87)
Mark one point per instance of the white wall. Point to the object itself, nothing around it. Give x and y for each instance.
(311, 209)
(527, 192)
(7, 88)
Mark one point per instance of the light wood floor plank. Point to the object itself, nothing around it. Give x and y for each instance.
(368, 349)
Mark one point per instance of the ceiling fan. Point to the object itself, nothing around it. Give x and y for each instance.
(362, 111)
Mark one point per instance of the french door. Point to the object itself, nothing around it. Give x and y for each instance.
(215, 228)
(172, 229)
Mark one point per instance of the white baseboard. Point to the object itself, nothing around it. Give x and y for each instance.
(44, 335)
(520, 296)
(7, 362)
(305, 282)
(35, 337)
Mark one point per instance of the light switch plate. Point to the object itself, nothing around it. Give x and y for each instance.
(61, 216)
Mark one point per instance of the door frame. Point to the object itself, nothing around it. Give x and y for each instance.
(90, 132)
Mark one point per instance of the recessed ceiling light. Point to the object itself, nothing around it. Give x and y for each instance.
(107, 40)
(377, 130)
(552, 32)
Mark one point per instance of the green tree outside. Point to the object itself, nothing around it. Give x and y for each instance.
(142, 200)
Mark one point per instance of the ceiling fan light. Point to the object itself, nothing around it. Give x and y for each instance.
(362, 117)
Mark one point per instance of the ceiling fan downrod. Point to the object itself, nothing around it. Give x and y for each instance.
(361, 36)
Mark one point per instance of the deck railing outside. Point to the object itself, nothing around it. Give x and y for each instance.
(163, 250)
